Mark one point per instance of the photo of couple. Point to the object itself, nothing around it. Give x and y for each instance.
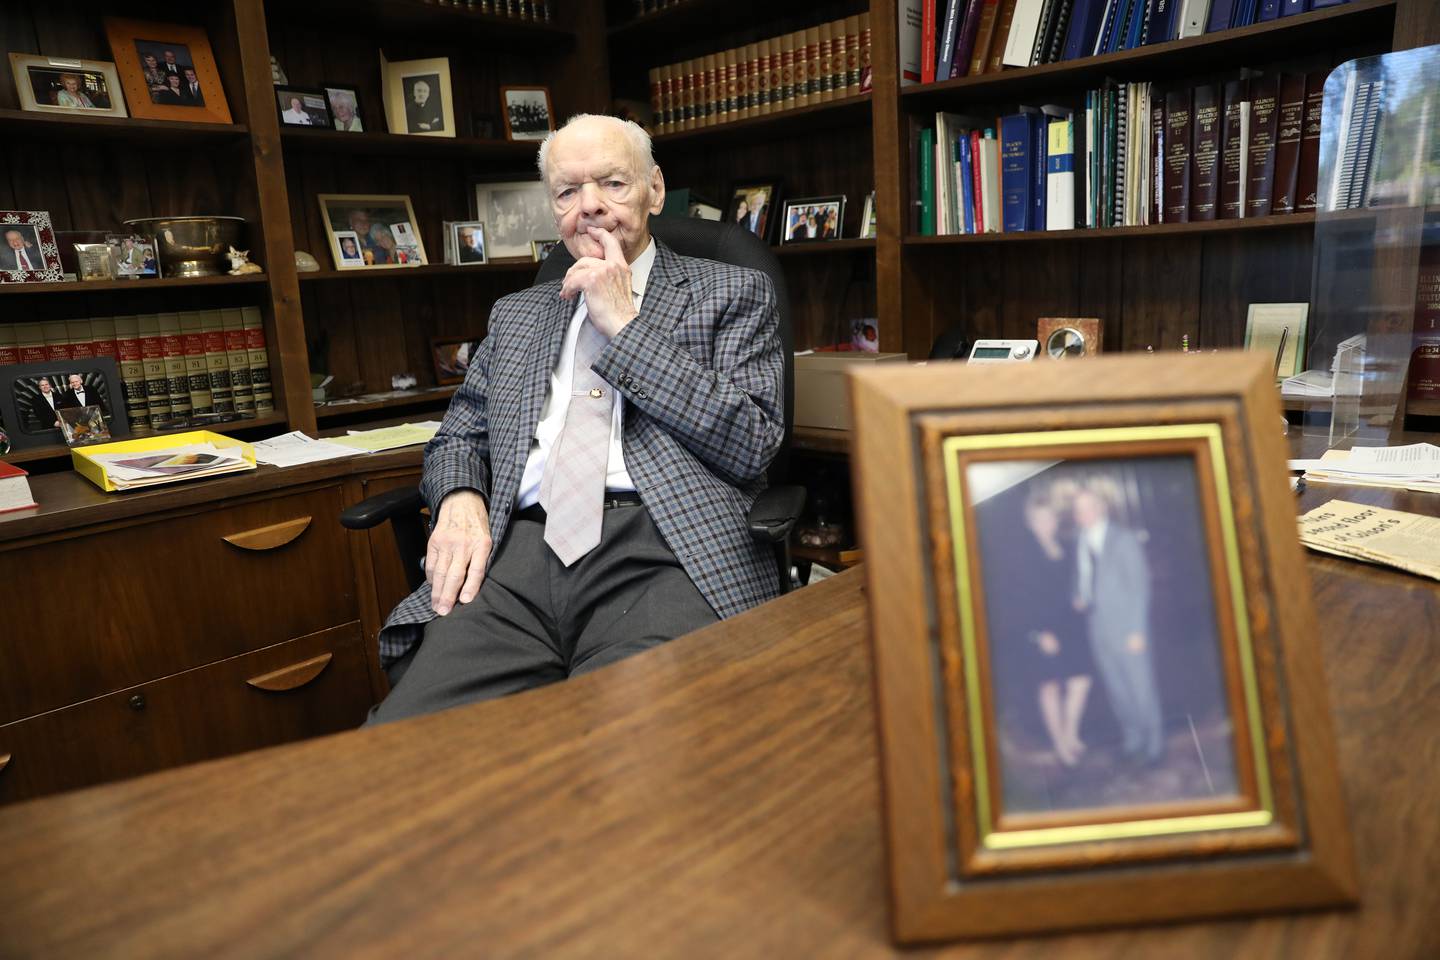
(1106, 669)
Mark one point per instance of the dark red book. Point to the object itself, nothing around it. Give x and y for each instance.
(1305, 185)
(1289, 130)
(1232, 158)
(1178, 130)
(1260, 164)
(1205, 151)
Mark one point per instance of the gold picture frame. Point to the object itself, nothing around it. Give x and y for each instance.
(383, 227)
(1123, 522)
(150, 91)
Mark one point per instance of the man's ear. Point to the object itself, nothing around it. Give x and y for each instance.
(657, 191)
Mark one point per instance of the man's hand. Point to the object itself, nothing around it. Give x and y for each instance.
(459, 550)
(1049, 643)
(1135, 643)
(605, 284)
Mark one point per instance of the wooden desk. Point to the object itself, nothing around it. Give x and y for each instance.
(713, 797)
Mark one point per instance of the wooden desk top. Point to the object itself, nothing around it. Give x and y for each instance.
(717, 796)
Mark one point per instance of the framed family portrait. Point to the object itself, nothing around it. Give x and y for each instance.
(372, 231)
(69, 401)
(167, 70)
(813, 218)
(61, 85)
(417, 97)
(516, 213)
(451, 356)
(753, 206)
(344, 102)
(527, 113)
(28, 252)
(303, 107)
(1100, 696)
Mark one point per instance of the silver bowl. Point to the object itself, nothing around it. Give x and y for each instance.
(192, 246)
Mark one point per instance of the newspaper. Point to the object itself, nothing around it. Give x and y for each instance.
(130, 471)
(1391, 538)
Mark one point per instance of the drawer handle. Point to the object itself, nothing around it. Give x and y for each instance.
(4, 760)
(292, 677)
(268, 538)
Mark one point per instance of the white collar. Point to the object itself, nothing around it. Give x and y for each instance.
(640, 269)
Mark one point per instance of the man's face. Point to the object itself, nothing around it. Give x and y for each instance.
(1089, 509)
(467, 236)
(14, 239)
(44, 385)
(76, 383)
(360, 222)
(421, 92)
(170, 57)
(594, 182)
(189, 75)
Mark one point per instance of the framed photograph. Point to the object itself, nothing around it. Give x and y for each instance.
(515, 213)
(83, 425)
(62, 85)
(1278, 330)
(753, 205)
(135, 256)
(867, 217)
(94, 261)
(33, 397)
(527, 113)
(465, 242)
(344, 101)
(28, 252)
(382, 226)
(813, 218)
(417, 97)
(303, 107)
(540, 249)
(167, 70)
(451, 356)
(1099, 700)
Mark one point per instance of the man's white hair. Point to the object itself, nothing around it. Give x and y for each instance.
(634, 133)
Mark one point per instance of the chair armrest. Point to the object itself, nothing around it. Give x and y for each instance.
(774, 512)
(373, 511)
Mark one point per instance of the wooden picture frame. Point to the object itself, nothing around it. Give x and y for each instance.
(94, 81)
(524, 126)
(406, 112)
(363, 214)
(449, 362)
(36, 237)
(955, 468)
(133, 41)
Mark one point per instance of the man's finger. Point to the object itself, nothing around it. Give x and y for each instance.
(608, 242)
(474, 575)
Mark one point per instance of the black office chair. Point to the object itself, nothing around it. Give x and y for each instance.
(774, 512)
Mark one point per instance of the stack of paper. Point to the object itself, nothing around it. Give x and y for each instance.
(1412, 467)
(131, 471)
(1393, 538)
(388, 438)
(294, 448)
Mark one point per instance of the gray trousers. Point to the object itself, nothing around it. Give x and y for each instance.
(1129, 680)
(535, 622)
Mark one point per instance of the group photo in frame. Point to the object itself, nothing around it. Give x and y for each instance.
(303, 107)
(527, 111)
(1122, 680)
(28, 252)
(167, 70)
(516, 213)
(418, 100)
(753, 206)
(60, 85)
(813, 218)
(37, 399)
(381, 227)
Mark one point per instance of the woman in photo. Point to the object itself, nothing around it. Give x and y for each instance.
(70, 94)
(383, 243)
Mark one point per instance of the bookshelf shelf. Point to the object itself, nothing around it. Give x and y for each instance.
(428, 270)
(772, 126)
(1345, 25)
(832, 557)
(399, 145)
(419, 398)
(812, 248)
(1291, 220)
(56, 451)
(427, 17)
(25, 125)
(113, 286)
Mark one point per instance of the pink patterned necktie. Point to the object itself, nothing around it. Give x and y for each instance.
(572, 489)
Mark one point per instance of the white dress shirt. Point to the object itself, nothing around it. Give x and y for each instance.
(557, 401)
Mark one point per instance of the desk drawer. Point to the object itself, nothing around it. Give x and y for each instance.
(307, 687)
(91, 614)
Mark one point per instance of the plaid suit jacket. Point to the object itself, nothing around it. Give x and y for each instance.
(700, 371)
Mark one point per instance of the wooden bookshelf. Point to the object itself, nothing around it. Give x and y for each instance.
(812, 248)
(132, 286)
(426, 271)
(1198, 228)
(454, 18)
(845, 111)
(62, 127)
(399, 145)
(419, 398)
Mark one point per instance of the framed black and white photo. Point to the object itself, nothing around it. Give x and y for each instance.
(465, 242)
(344, 104)
(753, 205)
(382, 227)
(515, 212)
(33, 395)
(418, 101)
(62, 85)
(28, 252)
(813, 218)
(303, 107)
(527, 113)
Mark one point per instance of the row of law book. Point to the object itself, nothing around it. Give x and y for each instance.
(1134, 154)
(798, 69)
(172, 365)
(943, 39)
(538, 10)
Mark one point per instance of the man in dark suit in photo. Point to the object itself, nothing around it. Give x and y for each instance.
(190, 89)
(169, 66)
(591, 479)
(422, 110)
(76, 394)
(472, 249)
(44, 405)
(19, 251)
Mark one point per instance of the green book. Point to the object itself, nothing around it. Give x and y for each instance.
(927, 182)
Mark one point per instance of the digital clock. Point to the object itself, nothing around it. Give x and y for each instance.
(1003, 351)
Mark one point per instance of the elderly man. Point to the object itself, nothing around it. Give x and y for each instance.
(590, 481)
(422, 112)
(19, 253)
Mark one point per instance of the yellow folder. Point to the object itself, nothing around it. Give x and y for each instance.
(92, 471)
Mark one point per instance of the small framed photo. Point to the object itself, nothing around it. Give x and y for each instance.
(83, 425)
(94, 261)
(1278, 331)
(167, 70)
(348, 246)
(28, 252)
(515, 213)
(540, 249)
(418, 101)
(867, 217)
(1086, 683)
(451, 356)
(381, 225)
(465, 242)
(527, 113)
(344, 104)
(135, 256)
(753, 205)
(813, 218)
(35, 398)
(63, 85)
(302, 107)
